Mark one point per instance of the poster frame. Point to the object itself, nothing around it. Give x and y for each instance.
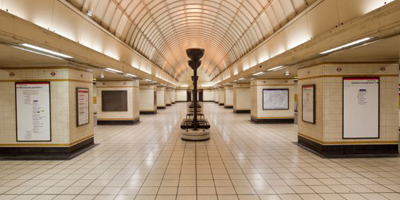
(127, 102)
(379, 108)
(16, 110)
(302, 103)
(286, 89)
(77, 106)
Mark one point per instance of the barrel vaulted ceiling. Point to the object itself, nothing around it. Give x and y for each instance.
(161, 30)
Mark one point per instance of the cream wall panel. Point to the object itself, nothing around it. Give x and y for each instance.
(208, 95)
(221, 96)
(181, 95)
(168, 97)
(173, 96)
(228, 96)
(160, 97)
(147, 100)
(66, 22)
(349, 10)
(323, 18)
(242, 97)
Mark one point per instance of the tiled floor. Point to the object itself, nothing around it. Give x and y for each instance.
(241, 161)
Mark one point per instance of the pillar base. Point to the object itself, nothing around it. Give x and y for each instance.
(161, 107)
(349, 151)
(241, 111)
(46, 153)
(228, 107)
(272, 120)
(168, 104)
(221, 104)
(195, 135)
(117, 122)
(148, 112)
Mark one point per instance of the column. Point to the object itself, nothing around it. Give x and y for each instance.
(173, 96)
(208, 95)
(181, 95)
(216, 96)
(119, 102)
(221, 96)
(347, 109)
(241, 101)
(40, 117)
(161, 97)
(272, 100)
(228, 92)
(168, 97)
(148, 99)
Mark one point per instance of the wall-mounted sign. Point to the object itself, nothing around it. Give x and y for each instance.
(308, 103)
(82, 106)
(275, 99)
(360, 108)
(33, 111)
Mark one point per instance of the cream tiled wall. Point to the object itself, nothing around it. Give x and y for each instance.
(241, 97)
(161, 97)
(63, 83)
(216, 95)
(173, 96)
(181, 95)
(208, 95)
(132, 87)
(328, 79)
(147, 103)
(221, 96)
(228, 96)
(257, 87)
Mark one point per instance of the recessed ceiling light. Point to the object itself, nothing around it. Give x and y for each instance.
(346, 45)
(43, 50)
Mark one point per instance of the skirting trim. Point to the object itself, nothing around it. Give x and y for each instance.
(346, 151)
(161, 107)
(148, 112)
(272, 120)
(221, 104)
(241, 111)
(46, 153)
(208, 101)
(168, 104)
(228, 107)
(118, 122)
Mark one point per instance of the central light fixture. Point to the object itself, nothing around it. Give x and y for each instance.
(113, 70)
(346, 45)
(43, 50)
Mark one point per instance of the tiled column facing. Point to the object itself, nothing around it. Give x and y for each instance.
(173, 96)
(181, 95)
(228, 96)
(121, 117)
(326, 134)
(241, 100)
(168, 97)
(221, 96)
(216, 96)
(208, 95)
(148, 101)
(161, 97)
(261, 113)
(66, 138)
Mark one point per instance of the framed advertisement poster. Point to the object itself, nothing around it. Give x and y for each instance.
(360, 108)
(275, 99)
(308, 103)
(32, 103)
(82, 106)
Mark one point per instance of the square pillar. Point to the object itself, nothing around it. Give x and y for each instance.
(241, 101)
(356, 109)
(228, 96)
(272, 100)
(216, 96)
(173, 96)
(161, 97)
(168, 97)
(208, 95)
(45, 96)
(126, 92)
(148, 99)
(181, 95)
(221, 96)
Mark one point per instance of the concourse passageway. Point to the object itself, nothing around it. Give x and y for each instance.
(242, 160)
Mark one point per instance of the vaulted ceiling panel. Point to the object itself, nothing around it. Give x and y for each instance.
(161, 30)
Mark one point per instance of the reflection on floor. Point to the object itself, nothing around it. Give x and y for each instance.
(241, 161)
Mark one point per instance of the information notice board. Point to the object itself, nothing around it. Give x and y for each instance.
(82, 106)
(275, 99)
(33, 111)
(308, 103)
(360, 108)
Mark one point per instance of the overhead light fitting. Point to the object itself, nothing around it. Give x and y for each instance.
(346, 45)
(276, 68)
(130, 75)
(241, 79)
(258, 73)
(113, 70)
(102, 76)
(148, 80)
(43, 50)
(287, 73)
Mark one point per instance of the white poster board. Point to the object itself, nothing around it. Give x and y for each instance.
(82, 106)
(275, 99)
(33, 111)
(360, 108)
(308, 103)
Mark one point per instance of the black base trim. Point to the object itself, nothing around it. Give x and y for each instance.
(181, 101)
(221, 104)
(173, 102)
(118, 122)
(241, 111)
(208, 101)
(272, 121)
(216, 102)
(168, 104)
(148, 112)
(46, 153)
(228, 107)
(349, 151)
(161, 107)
